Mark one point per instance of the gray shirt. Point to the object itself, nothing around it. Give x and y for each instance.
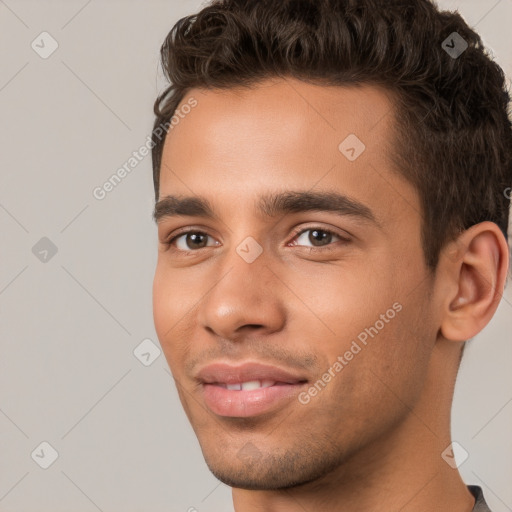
(480, 504)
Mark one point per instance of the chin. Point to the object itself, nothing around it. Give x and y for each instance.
(256, 482)
(269, 472)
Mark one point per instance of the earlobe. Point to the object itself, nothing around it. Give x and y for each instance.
(479, 272)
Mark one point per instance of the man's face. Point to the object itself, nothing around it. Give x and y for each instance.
(296, 291)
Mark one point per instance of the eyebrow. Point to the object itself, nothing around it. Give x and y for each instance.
(269, 205)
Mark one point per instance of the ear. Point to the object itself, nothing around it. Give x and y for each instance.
(476, 269)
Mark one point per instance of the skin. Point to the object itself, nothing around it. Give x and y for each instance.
(372, 438)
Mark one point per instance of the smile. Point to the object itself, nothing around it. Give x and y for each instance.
(246, 390)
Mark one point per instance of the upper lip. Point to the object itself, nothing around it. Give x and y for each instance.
(224, 373)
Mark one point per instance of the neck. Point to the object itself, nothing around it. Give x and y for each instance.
(403, 470)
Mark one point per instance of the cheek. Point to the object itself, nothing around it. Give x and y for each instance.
(366, 317)
(346, 299)
(160, 303)
(175, 292)
(171, 311)
(385, 363)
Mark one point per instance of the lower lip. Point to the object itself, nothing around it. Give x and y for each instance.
(243, 404)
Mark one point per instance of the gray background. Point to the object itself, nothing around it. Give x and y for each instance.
(70, 324)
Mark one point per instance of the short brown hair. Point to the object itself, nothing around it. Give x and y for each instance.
(453, 133)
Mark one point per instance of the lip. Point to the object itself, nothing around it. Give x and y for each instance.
(247, 403)
(230, 374)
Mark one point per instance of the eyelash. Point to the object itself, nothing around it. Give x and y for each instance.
(328, 247)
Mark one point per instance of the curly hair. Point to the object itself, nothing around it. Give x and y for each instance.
(453, 134)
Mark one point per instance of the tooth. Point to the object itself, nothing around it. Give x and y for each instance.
(252, 384)
(267, 383)
(235, 387)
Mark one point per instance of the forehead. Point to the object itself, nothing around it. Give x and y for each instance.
(285, 134)
(278, 112)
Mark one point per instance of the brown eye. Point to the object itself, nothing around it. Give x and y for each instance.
(318, 237)
(196, 240)
(189, 241)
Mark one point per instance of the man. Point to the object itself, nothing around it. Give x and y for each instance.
(330, 181)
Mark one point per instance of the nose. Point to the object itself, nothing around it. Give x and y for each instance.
(246, 297)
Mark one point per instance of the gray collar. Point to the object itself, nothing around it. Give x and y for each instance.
(480, 504)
